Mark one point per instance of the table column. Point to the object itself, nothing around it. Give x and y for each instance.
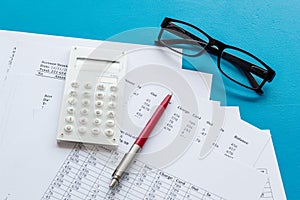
(178, 190)
(160, 186)
(194, 193)
(100, 158)
(80, 184)
(141, 183)
(123, 190)
(66, 175)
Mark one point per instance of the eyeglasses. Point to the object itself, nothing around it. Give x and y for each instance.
(236, 64)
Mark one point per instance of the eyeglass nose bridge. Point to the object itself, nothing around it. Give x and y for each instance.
(216, 45)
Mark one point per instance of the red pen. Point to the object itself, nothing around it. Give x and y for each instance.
(139, 142)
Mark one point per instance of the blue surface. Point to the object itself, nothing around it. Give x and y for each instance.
(268, 29)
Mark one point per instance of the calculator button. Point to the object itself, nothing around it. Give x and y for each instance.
(110, 123)
(113, 88)
(69, 119)
(101, 87)
(109, 132)
(68, 128)
(99, 103)
(84, 111)
(97, 121)
(110, 114)
(113, 96)
(71, 110)
(98, 112)
(112, 104)
(85, 102)
(82, 129)
(73, 93)
(72, 101)
(100, 95)
(88, 86)
(95, 131)
(86, 94)
(83, 120)
(74, 84)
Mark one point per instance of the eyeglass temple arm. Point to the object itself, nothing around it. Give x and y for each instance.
(177, 41)
(253, 82)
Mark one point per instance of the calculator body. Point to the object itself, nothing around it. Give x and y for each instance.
(91, 106)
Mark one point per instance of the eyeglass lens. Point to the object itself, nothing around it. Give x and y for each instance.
(236, 65)
(175, 37)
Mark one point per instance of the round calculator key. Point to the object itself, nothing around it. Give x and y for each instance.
(100, 95)
(71, 110)
(99, 103)
(112, 104)
(83, 120)
(113, 96)
(85, 102)
(101, 87)
(87, 94)
(73, 93)
(68, 128)
(110, 114)
(72, 101)
(113, 88)
(88, 86)
(82, 129)
(109, 132)
(84, 111)
(69, 119)
(110, 123)
(96, 131)
(98, 112)
(74, 84)
(97, 121)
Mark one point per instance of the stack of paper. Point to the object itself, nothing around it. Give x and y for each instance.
(178, 161)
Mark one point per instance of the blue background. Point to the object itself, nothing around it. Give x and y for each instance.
(268, 29)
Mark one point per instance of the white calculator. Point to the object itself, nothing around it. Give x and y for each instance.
(92, 102)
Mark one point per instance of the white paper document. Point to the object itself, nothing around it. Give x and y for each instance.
(32, 154)
(241, 165)
(267, 163)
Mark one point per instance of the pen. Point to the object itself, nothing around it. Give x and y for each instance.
(139, 142)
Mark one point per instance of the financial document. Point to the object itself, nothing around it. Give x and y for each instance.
(33, 158)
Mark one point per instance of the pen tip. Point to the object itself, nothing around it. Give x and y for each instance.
(166, 101)
(113, 183)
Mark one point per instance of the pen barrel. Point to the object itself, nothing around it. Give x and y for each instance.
(140, 141)
(125, 162)
(150, 126)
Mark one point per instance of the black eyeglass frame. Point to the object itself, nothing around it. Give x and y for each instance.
(217, 48)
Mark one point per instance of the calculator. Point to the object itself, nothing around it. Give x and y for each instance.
(91, 106)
